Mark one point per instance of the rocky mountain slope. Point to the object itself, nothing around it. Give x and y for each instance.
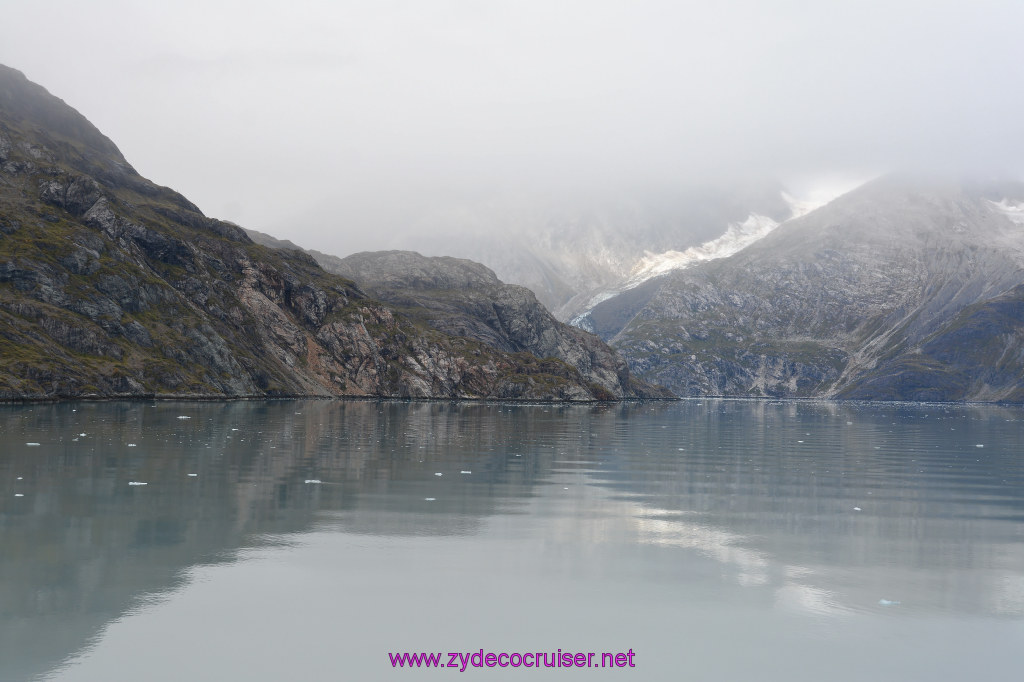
(113, 286)
(569, 249)
(463, 298)
(907, 288)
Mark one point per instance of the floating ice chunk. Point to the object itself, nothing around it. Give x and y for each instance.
(429, 499)
(439, 474)
(137, 483)
(313, 480)
(465, 472)
(19, 495)
(888, 602)
(32, 444)
(184, 416)
(193, 475)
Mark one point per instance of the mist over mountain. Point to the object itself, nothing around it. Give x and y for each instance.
(568, 249)
(111, 285)
(346, 126)
(908, 287)
(904, 289)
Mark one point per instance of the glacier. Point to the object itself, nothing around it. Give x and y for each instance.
(1015, 212)
(737, 236)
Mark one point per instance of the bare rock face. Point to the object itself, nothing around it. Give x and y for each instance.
(463, 298)
(869, 297)
(113, 286)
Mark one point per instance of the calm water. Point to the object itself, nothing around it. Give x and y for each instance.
(719, 540)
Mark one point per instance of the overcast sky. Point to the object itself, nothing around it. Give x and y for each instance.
(330, 122)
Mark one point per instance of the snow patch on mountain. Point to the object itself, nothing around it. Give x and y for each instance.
(737, 236)
(1015, 212)
(604, 296)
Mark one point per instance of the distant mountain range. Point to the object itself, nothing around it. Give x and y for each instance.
(113, 286)
(907, 288)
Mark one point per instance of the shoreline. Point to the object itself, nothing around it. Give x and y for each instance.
(215, 398)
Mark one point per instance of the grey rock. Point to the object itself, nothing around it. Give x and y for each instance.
(38, 152)
(834, 304)
(463, 298)
(101, 217)
(81, 261)
(76, 194)
(95, 309)
(82, 338)
(136, 333)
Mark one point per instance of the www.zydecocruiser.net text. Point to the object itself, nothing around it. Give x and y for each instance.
(461, 660)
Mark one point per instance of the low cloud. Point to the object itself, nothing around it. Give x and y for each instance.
(333, 123)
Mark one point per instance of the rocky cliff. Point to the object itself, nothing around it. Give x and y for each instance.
(113, 286)
(905, 289)
(466, 299)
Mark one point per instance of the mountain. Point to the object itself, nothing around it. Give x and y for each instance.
(570, 249)
(462, 298)
(736, 237)
(113, 286)
(908, 288)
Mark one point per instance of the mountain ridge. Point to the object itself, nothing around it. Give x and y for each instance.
(465, 298)
(112, 286)
(827, 298)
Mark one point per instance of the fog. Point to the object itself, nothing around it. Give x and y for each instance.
(340, 125)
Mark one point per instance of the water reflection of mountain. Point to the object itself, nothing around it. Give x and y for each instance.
(83, 546)
(763, 493)
(837, 507)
